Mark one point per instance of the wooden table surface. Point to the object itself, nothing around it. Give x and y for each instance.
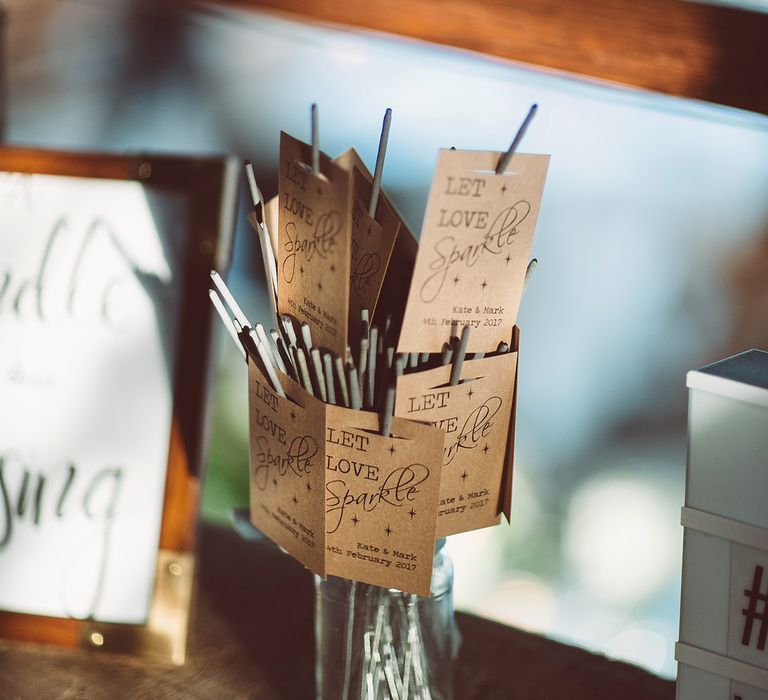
(252, 637)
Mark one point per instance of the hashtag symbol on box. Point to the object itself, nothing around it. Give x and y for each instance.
(756, 598)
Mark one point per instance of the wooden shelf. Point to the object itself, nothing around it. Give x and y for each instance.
(676, 47)
(252, 636)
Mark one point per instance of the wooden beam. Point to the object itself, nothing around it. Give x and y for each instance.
(676, 47)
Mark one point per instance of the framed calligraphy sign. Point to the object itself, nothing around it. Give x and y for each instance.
(105, 333)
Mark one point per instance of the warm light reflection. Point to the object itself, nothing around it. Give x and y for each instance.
(617, 537)
(640, 645)
(522, 600)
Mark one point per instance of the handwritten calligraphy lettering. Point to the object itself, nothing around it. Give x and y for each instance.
(297, 459)
(476, 427)
(364, 271)
(43, 296)
(450, 252)
(399, 488)
(323, 242)
(43, 498)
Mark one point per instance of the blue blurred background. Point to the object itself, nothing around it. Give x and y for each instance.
(652, 247)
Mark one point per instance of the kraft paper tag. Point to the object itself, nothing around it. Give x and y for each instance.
(394, 288)
(314, 235)
(505, 497)
(381, 497)
(338, 496)
(351, 159)
(474, 250)
(287, 476)
(475, 416)
(372, 243)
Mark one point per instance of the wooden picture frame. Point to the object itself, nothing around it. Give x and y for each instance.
(209, 188)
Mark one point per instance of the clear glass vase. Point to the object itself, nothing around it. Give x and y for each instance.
(378, 643)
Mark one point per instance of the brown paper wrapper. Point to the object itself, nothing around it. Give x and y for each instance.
(475, 246)
(314, 242)
(338, 496)
(476, 417)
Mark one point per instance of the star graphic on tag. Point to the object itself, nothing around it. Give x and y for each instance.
(355, 520)
(464, 475)
(412, 513)
(388, 530)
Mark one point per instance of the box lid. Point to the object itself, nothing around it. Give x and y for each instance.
(743, 377)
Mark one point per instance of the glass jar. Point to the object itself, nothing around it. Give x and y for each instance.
(378, 643)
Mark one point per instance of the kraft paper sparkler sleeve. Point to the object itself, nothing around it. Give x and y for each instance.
(314, 241)
(338, 496)
(372, 243)
(381, 499)
(286, 456)
(326, 485)
(397, 277)
(474, 250)
(475, 415)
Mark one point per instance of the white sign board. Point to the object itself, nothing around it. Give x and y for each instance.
(88, 308)
(723, 649)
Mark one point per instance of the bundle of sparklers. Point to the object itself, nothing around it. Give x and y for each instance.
(384, 654)
(366, 381)
(365, 378)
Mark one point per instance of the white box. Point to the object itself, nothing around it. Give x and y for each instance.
(723, 647)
